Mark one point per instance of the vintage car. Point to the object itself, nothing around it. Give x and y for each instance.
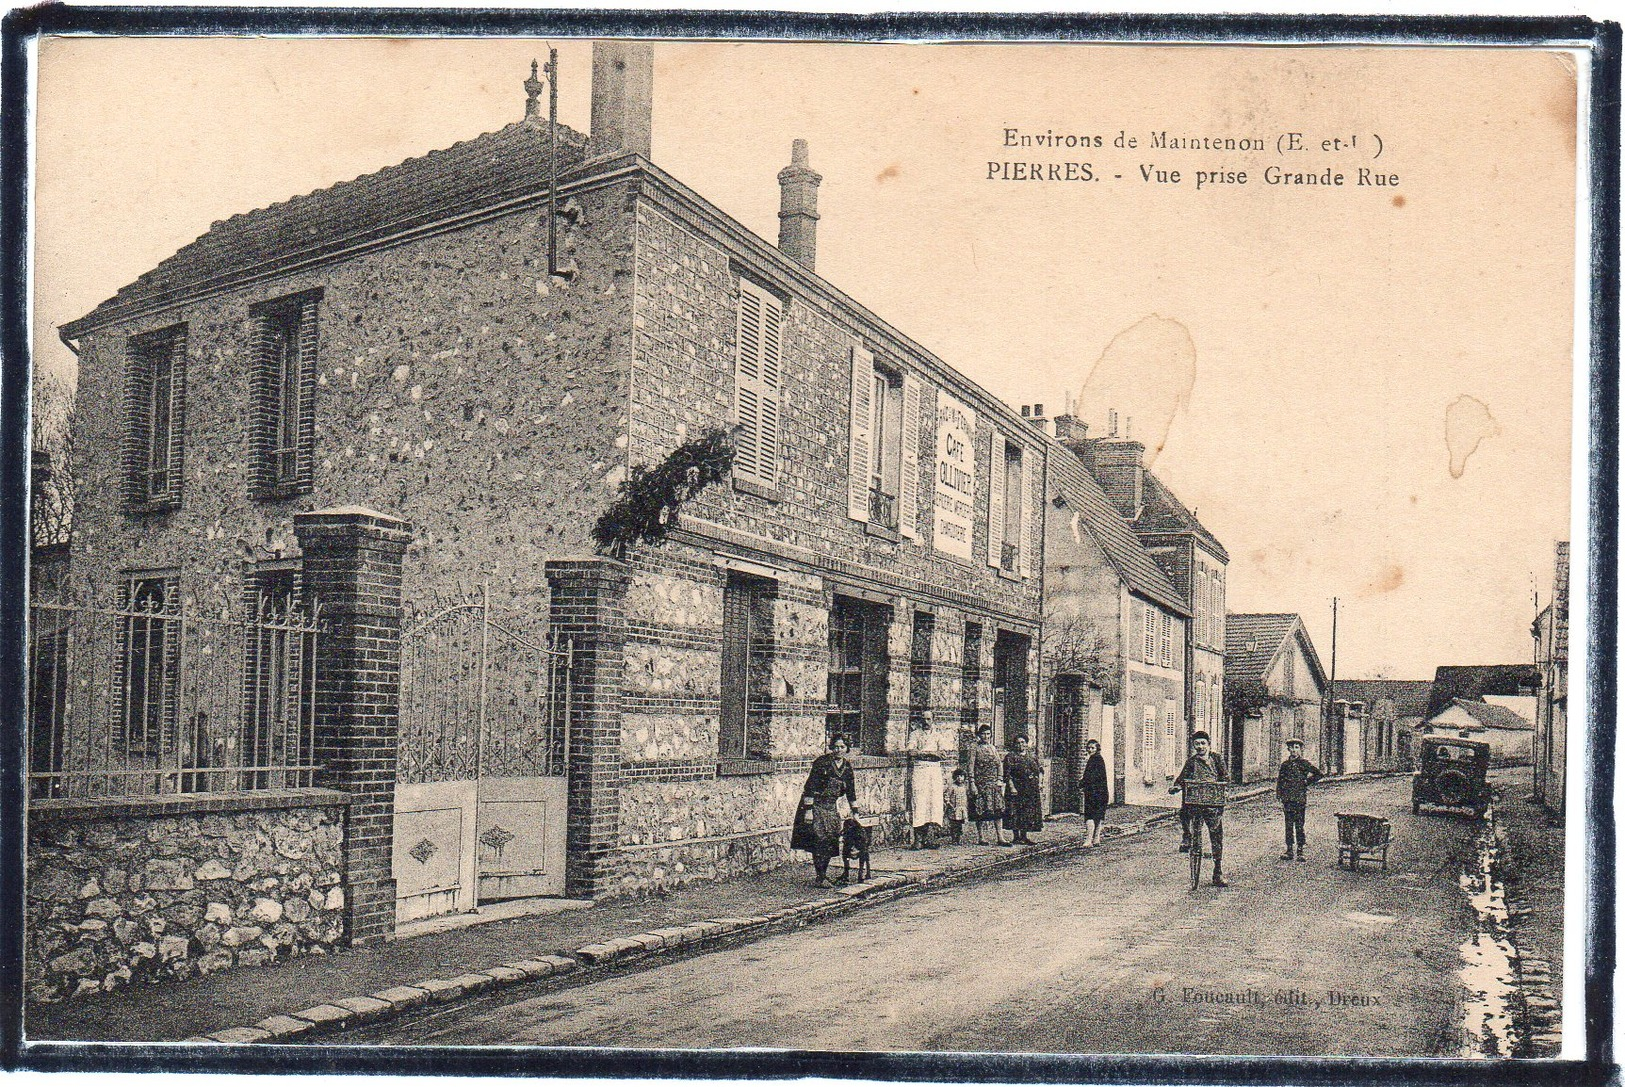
(1451, 773)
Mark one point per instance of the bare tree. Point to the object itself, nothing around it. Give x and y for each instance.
(1078, 647)
(54, 468)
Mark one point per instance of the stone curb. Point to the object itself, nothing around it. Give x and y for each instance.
(388, 1003)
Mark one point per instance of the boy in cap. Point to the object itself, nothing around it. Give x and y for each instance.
(1204, 765)
(1292, 786)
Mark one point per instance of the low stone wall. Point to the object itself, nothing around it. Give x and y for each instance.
(145, 891)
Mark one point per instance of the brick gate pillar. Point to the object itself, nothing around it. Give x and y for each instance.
(352, 568)
(588, 606)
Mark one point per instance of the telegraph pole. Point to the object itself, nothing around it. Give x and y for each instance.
(1331, 697)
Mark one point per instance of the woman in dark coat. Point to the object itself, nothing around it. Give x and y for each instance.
(819, 819)
(1023, 790)
(1096, 792)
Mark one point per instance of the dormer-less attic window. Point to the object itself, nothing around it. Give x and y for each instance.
(284, 394)
(154, 410)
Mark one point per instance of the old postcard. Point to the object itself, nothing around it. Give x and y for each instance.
(1045, 548)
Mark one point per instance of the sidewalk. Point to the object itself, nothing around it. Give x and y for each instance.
(288, 1001)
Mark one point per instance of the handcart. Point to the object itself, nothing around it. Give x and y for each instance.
(1362, 837)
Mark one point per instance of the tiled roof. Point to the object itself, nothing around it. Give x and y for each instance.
(1077, 486)
(1410, 696)
(1251, 642)
(1492, 716)
(1164, 512)
(468, 176)
(1474, 681)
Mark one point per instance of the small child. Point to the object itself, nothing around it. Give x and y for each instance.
(956, 806)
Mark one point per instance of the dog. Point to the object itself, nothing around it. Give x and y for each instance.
(855, 845)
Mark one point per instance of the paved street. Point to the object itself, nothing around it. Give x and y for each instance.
(1099, 953)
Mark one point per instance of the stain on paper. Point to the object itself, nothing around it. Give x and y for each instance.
(1145, 376)
(889, 172)
(1467, 422)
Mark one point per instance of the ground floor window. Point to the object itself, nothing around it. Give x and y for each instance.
(857, 674)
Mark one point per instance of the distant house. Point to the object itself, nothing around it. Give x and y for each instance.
(1388, 712)
(1511, 736)
(1274, 689)
(1551, 633)
(1482, 683)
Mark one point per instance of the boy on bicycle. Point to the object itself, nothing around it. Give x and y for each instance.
(1204, 765)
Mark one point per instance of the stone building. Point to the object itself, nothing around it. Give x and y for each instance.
(1551, 632)
(1387, 713)
(1114, 618)
(1190, 555)
(387, 408)
(1275, 688)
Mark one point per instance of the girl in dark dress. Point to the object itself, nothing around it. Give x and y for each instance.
(819, 819)
(1096, 792)
(1023, 788)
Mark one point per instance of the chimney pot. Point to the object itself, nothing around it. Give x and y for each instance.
(798, 208)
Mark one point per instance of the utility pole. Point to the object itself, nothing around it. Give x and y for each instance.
(1331, 697)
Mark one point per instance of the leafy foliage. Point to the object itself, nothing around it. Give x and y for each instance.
(53, 489)
(650, 498)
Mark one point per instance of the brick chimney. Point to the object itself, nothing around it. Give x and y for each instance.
(623, 75)
(798, 208)
(1119, 465)
(1069, 429)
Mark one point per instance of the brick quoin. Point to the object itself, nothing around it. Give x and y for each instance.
(589, 608)
(348, 553)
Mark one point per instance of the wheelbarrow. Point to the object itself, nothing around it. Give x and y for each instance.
(1362, 837)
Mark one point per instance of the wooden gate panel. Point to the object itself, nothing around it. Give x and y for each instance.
(521, 837)
(434, 854)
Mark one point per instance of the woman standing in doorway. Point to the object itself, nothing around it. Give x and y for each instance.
(1096, 792)
(986, 785)
(827, 800)
(1024, 785)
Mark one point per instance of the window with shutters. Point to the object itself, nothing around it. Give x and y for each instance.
(1014, 508)
(886, 449)
(746, 667)
(1167, 640)
(1148, 741)
(147, 670)
(1170, 722)
(284, 395)
(758, 379)
(1148, 628)
(919, 667)
(155, 401)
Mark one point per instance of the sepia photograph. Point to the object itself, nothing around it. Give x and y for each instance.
(928, 547)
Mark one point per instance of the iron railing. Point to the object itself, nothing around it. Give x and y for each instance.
(148, 697)
(882, 509)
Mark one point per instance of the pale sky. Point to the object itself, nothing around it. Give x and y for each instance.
(1295, 349)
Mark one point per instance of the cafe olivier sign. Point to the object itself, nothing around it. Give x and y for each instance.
(956, 476)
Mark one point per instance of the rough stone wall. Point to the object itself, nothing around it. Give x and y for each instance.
(459, 387)
(685, 813)
(115, 901)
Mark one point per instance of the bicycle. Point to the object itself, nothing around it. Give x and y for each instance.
(1200, 794)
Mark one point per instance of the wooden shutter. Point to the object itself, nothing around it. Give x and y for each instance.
(304, 472)
(758, 371)
(860, 428)
(908, 500)
(1148, 635)
(1024, 544)
(995, 497)
(175, 463)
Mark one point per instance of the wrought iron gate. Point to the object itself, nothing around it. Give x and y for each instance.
(480, 799)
